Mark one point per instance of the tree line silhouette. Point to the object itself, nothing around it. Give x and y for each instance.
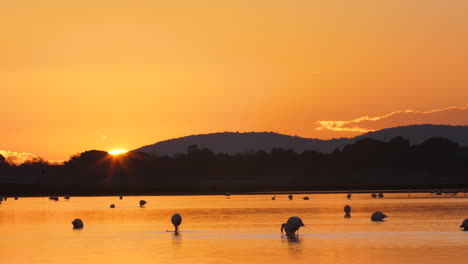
(366, 164)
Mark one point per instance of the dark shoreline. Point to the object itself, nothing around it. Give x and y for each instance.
(39, 191)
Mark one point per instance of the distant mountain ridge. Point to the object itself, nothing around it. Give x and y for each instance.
(417, 134)
(232, 142)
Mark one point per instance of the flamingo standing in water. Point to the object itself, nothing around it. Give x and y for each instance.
(347, 210)
(378, 216)
(176, 220)
(77, 224)
(292, 226)
(464, 225)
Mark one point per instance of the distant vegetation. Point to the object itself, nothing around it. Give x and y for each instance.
(365, 164)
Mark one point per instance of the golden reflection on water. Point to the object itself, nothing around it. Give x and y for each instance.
(241, 229)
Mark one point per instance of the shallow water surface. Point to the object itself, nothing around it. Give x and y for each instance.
(422, 228)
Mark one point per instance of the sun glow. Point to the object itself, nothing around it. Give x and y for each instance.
(117, 152)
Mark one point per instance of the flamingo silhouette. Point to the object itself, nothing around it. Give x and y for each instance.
(292, 226)
(77, 224)
(464, 225)
(176, 220)
(378, 216)
(347, 210)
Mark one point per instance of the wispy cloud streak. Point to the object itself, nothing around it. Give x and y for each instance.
(103, 137)
(453, 115)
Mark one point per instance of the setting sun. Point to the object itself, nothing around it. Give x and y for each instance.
(117, 151)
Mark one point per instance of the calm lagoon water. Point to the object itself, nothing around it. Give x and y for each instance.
(422, 228)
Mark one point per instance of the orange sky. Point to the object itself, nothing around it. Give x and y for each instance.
(105, 74)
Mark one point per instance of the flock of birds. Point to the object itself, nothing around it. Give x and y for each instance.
(176, 219)
(290, 229)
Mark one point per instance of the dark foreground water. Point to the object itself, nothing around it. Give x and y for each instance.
(241, 229)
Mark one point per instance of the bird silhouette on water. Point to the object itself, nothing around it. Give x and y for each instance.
(176, 220)
(142, 203)
(112, 206)
(77, 223)
(349, 196)
(290, 197)
(378, 216)
(291, 227)
(464, 225)
(347, 210)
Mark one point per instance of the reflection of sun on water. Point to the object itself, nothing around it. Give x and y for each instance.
(117, 152)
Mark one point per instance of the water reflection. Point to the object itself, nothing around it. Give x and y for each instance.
(176, 240)
(295, 246)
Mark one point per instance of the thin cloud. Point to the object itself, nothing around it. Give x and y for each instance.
(103, 137)
(447, 116)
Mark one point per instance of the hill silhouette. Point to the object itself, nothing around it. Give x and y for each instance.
(232, 143)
